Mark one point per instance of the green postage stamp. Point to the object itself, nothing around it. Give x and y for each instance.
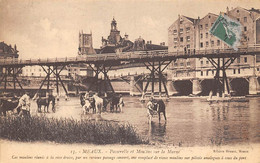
(227, 30)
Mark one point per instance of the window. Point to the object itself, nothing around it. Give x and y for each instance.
(201, 62)
(209, 16)
(257, 69)
(175, 47)
(181, 39)
(218, 42)
(175, 32)
(238, 19)
(181, 21)
(175, 39)
(188, 29)
(201, 44)
(238, 71)
(245, 59)
(238, 60)
(181, 30)
(201, 35)
(245, 19)
(207, 62)
(201, 26)
(207, 73)
(207, 34)
(206, 26)
(212, 72)
(237, 11)
(245, 37)
(207, 43)
(176, 64)
(181, 64)
(245, 28)
(234, 71)
(188, 46)
(212, 43)
(201, 73)
(188, 63)
(188, 38)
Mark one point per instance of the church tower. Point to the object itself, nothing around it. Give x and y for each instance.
(85, 44)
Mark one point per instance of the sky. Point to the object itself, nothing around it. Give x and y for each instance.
(50, 28)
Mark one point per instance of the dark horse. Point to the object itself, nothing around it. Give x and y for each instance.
(114, 101)
(159, 106)
(45, 101)
(7, 104)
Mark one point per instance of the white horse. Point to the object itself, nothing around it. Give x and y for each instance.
(86, 107)
(98, 103)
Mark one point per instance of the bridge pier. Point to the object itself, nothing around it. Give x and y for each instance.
(11, 72)
(196, 86)
(136, 86)
(221, 82)
(101, 85)
(156, 75)
(253, 85)
(171, 87)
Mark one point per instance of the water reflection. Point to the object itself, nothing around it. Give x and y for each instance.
(156, 131)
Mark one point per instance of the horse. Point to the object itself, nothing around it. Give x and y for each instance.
(114, 101)
(45, 101)
(98, 103)
(157, 106)
(84, 105)
(9, 105)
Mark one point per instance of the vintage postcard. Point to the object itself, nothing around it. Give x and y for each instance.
(127, 80)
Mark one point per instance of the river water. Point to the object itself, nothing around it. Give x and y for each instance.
(190, 121)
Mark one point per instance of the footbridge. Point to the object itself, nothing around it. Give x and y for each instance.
(155, 61)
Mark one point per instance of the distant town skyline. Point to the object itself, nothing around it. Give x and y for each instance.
(50, 28)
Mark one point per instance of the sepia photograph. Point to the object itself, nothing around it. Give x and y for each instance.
(127, 80)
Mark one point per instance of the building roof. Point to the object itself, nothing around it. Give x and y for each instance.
(156, 47)
(190, 19)
(254, 10)
(7, 50)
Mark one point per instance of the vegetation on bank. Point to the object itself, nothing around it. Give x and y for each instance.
(40, 128)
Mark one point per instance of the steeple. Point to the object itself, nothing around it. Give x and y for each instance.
(113, 25)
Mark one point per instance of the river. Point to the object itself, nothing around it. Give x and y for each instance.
(190, 121)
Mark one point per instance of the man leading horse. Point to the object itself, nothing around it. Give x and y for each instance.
(155, 107)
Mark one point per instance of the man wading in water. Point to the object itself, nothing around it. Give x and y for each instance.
(24, 103)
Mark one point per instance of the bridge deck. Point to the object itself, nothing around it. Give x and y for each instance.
(137, 57)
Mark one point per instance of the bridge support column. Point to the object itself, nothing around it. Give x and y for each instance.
(196, 86)
(253, 85)
(101, 86)
(156, 75)
(171, 88)
(135, 86)
(231, 90)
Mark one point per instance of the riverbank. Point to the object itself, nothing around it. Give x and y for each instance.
(68, 130)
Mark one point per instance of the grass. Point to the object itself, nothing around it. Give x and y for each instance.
(40, 128)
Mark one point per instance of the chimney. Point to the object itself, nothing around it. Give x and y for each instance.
(227, 9)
